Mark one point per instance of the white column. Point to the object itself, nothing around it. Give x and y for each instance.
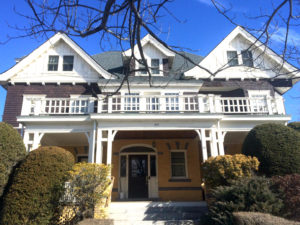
(109, 147)
(203, 144)
(221, 143)
(214, 146)
(36, 140)
(211, 103)
(91, 139)
(26, 139)
(99, 149)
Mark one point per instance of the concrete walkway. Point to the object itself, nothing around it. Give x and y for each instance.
(160, 213)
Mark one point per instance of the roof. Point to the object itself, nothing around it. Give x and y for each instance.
(112, 61)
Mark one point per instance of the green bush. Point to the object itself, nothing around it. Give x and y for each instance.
(221, 170)
(255, 218)
(288, 187)
(295, 126)
(246, 194)
(87, 184)
(277, 148)
(36, 188)
(12, 150)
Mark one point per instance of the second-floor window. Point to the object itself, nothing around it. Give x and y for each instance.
(247, 58)
(155, 66)
(68, 63)
(232, 58)
(53, 63)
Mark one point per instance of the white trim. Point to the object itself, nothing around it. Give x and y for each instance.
(258, 92)
(6, 76)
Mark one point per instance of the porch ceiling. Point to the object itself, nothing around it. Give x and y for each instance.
(68, 139)
(155, 134)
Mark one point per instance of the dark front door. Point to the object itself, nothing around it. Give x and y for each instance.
(138, 176)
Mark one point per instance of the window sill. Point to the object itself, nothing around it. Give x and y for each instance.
(180, 180)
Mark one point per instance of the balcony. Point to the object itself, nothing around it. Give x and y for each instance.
(153, 104)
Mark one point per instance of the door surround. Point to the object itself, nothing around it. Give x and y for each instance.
(123, 185)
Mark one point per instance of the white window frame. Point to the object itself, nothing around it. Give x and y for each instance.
(62, 65)
(156, 68)
(53, 64)
(185, 163)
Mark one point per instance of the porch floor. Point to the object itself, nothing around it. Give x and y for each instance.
(148, 212)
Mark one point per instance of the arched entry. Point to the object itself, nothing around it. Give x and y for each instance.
(138, 172)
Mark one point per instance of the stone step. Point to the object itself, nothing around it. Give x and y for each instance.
(156, 212)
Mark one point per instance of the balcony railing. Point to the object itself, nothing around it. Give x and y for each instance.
(154, 104)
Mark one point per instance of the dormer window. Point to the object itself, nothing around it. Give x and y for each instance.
(155, 66)
(247, 58)
(232, 58)
(53, 63)
(68, 61)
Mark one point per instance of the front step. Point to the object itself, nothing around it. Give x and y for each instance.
(171, 213)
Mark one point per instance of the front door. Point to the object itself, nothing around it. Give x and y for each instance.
(138, 176)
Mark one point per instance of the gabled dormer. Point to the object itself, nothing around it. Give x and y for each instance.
(159, 58)
(241, 56)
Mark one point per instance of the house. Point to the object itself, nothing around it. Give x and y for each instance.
(155, 137)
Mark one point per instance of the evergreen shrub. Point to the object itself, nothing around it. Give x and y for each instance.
(277, 148)
(221, 170)
(37, 187)
(12, 150)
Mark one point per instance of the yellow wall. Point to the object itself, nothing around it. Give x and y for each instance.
(164, 167)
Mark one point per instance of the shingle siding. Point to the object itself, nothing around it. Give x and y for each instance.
(14, 97)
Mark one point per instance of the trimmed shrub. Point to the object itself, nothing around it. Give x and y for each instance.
(277, 148)
(87, 184)
(288, 188)
(246, 194)
(221, 170)
(255, 218)
(12, 150)
(295, 126)
(37, 186)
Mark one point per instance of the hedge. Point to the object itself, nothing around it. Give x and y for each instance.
(246, 194)
(277, 148)
(255, 218)
(295, 126)
(221, 170)
(37, 187)
(12, 150)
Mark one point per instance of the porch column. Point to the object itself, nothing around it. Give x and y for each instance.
(37, 139)
(214, 146)
(203, 144)
(26, 140)
(91, 140)
(99, 149)
(221, 142)
(110, 138)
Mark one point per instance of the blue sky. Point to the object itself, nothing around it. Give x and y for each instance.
(201, 29)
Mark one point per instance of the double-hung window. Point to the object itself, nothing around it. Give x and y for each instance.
(178, 164)
(68, 62)
(155, 66)
(232, 58)
(172, 101)
(132, 102)
(247, 58)
(53, 63)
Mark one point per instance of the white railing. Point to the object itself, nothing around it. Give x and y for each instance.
(57, 106)
(153, 104)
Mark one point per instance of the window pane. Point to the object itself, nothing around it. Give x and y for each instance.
(247, 58)
(123, 166)
(178, 170)
(232, 58)
(142, 68)
(155, 66)
(153, 166)
(53, 63)
(68, 63)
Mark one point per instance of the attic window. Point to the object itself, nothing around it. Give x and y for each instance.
(247, 58)
(68, 63)
(232, 58)
(155, 66)
(53, 63)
